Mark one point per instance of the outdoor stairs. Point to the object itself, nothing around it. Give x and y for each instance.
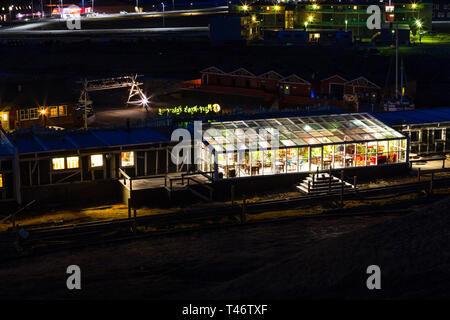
(190, 186)
(319, 183)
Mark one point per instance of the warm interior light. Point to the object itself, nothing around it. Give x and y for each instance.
(310, 18)
(253, 18)
(73, 162)
(58, 163)
(277, 8)
(414, 5)
(314, 6)
(127, 159)
(43, 111)
(96, 160)
(245, 7)
(4, 117)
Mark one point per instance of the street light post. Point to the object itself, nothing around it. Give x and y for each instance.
(163, 14)
(10, 19)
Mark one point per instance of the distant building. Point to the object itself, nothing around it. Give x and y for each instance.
(25, 106)
(441, 10)
(302, 37)
(346, 15)
(293, 90)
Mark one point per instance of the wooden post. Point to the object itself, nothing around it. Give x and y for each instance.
(431, 183)
(244, 205)
(134, 222)
(418, 174)
(129, 208)
(233, 190)
(329, 183)
(342, 188)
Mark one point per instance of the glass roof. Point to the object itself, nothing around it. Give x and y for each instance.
(296, 132)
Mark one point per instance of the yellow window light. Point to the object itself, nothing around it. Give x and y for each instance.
(127, 159)
(73, 162)
(4, 116)
(58, 163)
(96, 160)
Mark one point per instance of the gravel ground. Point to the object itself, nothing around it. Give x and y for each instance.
(174, 266)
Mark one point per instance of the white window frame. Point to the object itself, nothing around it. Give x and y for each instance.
(37, 113)
(23, 112)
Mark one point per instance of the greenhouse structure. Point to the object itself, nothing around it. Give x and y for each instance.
(258, 147)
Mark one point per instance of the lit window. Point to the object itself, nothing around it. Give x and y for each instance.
(34, 113)
(53, 112)
(1, 180)
(58, 163)
(4, 116)
(62, 111)
(23, 114)
(96, 160)
(127, 159)
(72, 162)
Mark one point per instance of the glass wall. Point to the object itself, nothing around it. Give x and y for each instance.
(288, 145)
(305, 159)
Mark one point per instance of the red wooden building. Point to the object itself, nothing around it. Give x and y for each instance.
(291, 89)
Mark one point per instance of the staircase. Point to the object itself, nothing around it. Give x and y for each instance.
(191, 185)
(323, 183)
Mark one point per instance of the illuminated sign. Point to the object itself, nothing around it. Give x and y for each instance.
(390, 8)
(210, 108)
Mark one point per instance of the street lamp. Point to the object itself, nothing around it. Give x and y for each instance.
(10, 19)
(419, 25)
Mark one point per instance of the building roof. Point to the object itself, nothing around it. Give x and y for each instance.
(6, 148)
(32, 140)
(297, 132)
(414, 116)
(36, 94)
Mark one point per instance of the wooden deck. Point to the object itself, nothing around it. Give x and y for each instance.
(161, 182)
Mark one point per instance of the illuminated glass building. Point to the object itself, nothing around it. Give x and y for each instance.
(291, 145)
